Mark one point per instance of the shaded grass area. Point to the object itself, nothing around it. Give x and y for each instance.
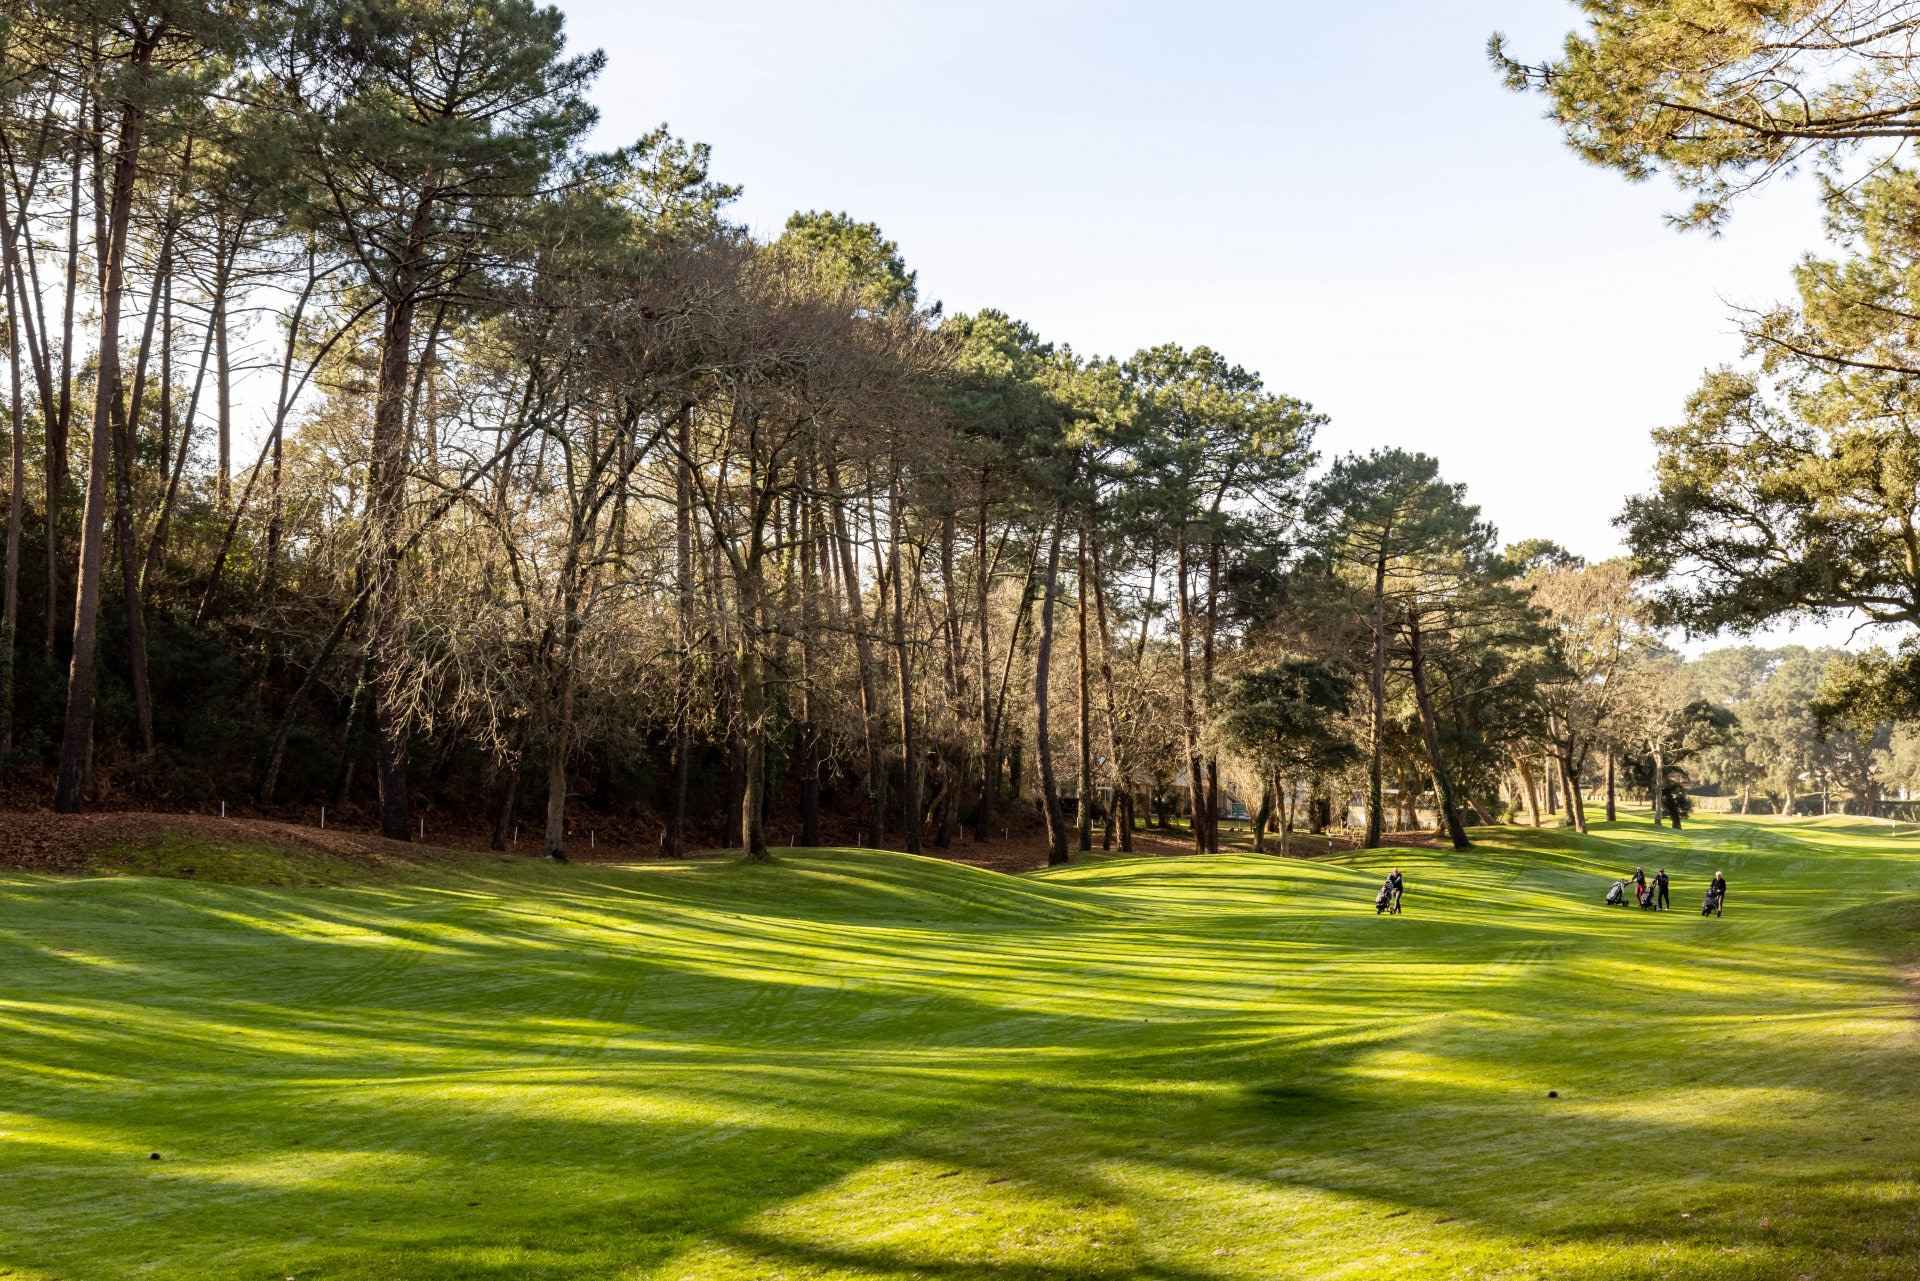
(227, 862)
(855, 1064)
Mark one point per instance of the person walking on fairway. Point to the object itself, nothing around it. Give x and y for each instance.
(1717, 893)
(1660, 888)
(1396, 885)
(1640, 886)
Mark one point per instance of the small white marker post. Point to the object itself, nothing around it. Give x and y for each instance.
(323, 818)
(593, 839)
(423, 827)
(223, 809)
(516, 836)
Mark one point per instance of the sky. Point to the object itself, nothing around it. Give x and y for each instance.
(1342, 196)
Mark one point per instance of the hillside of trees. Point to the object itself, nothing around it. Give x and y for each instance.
(374, 444)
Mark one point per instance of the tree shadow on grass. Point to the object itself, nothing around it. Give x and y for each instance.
(621, 1077)
(407, 1103)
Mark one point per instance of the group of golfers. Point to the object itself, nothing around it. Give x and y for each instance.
(1654, 895)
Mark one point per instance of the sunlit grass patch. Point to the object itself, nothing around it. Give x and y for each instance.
(857, 1064)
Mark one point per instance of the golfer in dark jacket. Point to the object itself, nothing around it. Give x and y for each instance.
(1719, 892)
(1660, 887)
(1398, 884)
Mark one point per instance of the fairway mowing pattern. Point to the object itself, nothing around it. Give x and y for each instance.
(855, 1064)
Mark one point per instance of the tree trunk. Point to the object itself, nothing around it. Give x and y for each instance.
(1659, 788)
(1612, 815)
(1084, 679)
(124, 413)
(1042, 670)
(1189, 719)
(952, 750)
(753, 721)
(16, 481)
(387, 498)
(166, 384)
(1117, 781)
(1570, 786)
(1525, 767)
(76, 746)
(60, 426)
(558, 743)
(1206, 679)
(1377, 694)
(810, 546)
(1430, 734)
(223, 398)
(1261, 818)
(910, 815)
(26, 311)
(1289, 808)
(673, 835)
(989, 755)
(863, 648)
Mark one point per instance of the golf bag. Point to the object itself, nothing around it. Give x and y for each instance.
(1617, 896)
(1714, 904)
(1383, 900)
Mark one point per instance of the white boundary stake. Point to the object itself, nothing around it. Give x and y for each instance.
(223, 809)
(323, 818)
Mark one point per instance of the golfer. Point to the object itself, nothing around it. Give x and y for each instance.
(1660, 888)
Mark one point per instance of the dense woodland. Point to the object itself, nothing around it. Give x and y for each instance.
(374, 444)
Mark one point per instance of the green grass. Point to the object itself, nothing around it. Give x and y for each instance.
(227, 863)
(866, 1065)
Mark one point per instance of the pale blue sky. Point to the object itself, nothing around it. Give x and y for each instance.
(1339, 195)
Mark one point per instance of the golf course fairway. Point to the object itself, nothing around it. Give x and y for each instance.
(856, 1064)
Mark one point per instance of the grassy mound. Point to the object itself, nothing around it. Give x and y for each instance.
(854, 1064)
(245, 851)
(225, 862)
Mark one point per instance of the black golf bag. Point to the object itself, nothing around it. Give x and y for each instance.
(1617, 896)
